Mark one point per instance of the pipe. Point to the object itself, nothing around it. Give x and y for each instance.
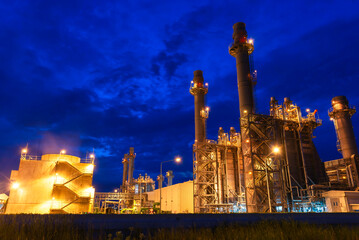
(241, 50)
(199, 90)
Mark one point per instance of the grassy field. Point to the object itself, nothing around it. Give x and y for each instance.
(62, 227)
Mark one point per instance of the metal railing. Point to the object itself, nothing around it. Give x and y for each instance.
(30, 157)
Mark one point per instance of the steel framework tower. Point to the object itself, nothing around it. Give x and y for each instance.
(204, 159)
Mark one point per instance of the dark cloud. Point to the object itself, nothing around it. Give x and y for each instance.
(83, 75)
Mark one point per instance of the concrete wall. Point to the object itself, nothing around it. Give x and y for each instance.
(177, 198)
(342, 201)
(35, 179)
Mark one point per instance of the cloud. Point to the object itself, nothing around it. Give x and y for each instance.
(109, 76)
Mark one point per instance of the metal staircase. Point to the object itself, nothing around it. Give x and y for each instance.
(68, 184)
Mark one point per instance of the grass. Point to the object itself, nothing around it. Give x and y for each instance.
(49, 227)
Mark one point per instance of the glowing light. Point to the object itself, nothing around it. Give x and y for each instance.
(90, 168)
(178, 159)
(92, 155)
(247, 141)
(207, 108)
(250, 173)
(250, 41)
(308, 110)
(331, 119)
(344, 177)
(63, 151)
(15, 185)
(245, 111)
(59, 179)
(24, 150)
(276, 150)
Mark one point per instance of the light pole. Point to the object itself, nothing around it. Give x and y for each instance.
(177, 160)
(275, 151)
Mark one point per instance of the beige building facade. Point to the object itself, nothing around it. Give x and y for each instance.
(52, 183)
(342, 201)
(176, 198)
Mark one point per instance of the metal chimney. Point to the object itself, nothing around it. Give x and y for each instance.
(125, 169)
(241, 49)
(341, 115)
(131, 160)
(160, 181)
(199, 90)
(169, 176)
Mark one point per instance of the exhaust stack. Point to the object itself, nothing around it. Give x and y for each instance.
(169, 176)
(199, 90)
(341, 116)
(125, 169)
(160, 181)
(241, 49)
(131, 160)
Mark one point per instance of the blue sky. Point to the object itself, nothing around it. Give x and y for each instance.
(114, 74)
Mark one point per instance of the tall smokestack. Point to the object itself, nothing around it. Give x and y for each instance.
(199, 90)
(169, 176)
(131, 160)
(125, 169)
(341, 116)
(241, 49)
(160, 180)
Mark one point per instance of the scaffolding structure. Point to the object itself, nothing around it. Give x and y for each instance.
(217, 168)
(263, 165)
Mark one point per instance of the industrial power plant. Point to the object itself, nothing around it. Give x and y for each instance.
(269, 164)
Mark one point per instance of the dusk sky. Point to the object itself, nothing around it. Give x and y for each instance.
(109, 75)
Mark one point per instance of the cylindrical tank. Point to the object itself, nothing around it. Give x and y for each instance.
(241, 50)
(341, 116)
(125, 169)
(199, 90)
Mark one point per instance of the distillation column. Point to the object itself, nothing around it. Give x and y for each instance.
(241, 50)
(341, 116)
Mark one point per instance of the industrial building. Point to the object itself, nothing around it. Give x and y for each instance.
(131, 197)
(270, 165)
(52, 183)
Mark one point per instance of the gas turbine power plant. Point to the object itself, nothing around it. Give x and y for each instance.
(270, 165)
